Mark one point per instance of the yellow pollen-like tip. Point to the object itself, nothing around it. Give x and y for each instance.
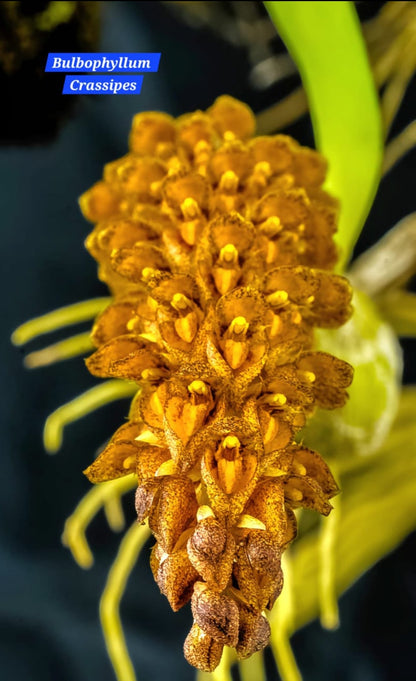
(294, 494)
(278, 298)
(148, 273)
(229, 254)
(230, 442)
(229, 181)
(129, 461)
(132, 323)
(148, 437)
(297, 318)
(299, 468)
(198, 387)
(229, 136)
(163, 148)
(190, 208)
(309, 376)
(149, 374)
(121, 170)
(201, 145)
(102, 236)
(249, 522)
(301, 228)
(310, 299)
(263, 168)
(124, 206)
(174, 165)
(180, 302)
(239, 325)
(155, 187)
(166, 468)
(204, 512)
(151, 337)
(272, 225)
(152, 303)
(278, 399)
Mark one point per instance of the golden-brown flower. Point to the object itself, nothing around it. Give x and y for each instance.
(218, 251)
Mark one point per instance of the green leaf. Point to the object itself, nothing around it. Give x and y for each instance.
(398, 307)
(326, 43)
(377, 511)
(368, 343)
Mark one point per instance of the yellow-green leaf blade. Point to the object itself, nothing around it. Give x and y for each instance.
(325, 41)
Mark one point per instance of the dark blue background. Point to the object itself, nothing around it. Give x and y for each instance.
(49, 626)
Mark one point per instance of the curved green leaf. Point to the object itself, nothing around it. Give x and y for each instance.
(377, 512)
(326, 43)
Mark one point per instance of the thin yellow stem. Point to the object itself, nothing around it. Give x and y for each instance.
(398, 307)
(252, 669)
(114, 513)
(285, 112)
(65, 349)
(399, 146)
(327, 570)
(57, 319)
(282, 627)
(395, 91)
(390, 263)
(130, 547)
(284, 657)
(80, 406)
(222, 672)
(98, 497)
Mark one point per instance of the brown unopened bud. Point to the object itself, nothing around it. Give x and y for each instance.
(156, 555)
(258, 588)
(263, 552)
(201, 650)
(268, 504)
(216, 614)
(209, 538)
(176, 577)
(211, 551)
(254, 633)
(175, 509)
(146, 496)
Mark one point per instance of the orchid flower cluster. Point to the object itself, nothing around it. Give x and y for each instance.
(217, 248)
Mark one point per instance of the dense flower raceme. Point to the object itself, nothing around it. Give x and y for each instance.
(217, 248)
